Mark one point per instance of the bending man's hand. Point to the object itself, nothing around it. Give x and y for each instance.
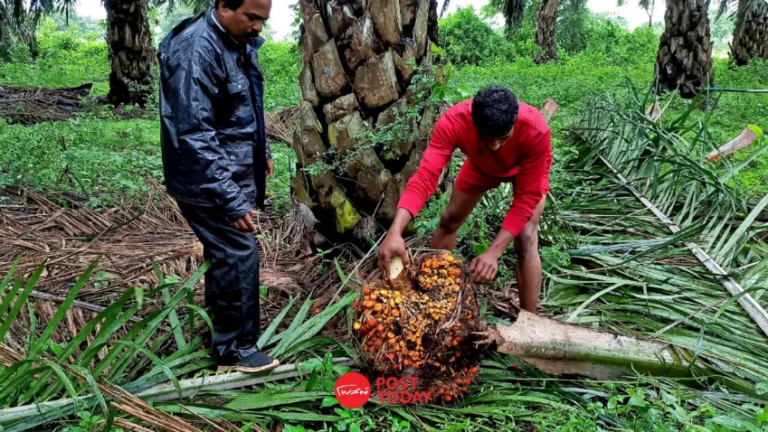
(485, 267)
(245, 224)
(270, 169)
(392, 246)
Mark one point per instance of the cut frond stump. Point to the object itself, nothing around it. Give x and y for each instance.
(424, 322)
(744, 140)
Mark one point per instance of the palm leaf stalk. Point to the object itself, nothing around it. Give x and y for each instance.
(134, 361)
(622, 280)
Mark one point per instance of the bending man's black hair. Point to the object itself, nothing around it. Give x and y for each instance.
(494, 111)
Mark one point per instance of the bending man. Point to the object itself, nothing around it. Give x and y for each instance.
(504, 141)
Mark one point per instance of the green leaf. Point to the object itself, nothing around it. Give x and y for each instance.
(329, 401)
(313, 380)
(437, 50)
(763, 417)
(20, 302)
(761, 388)
(7, 280)
(173, 318)
(638, 401)
(464, 91)
(668, 398)
(584, 305)
(291, 333)
(60, 313)
(756, 129)
(612, 403)
(736, 237)
(156, 360)
(252, 402)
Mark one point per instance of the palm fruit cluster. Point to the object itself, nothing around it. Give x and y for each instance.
(422, 322)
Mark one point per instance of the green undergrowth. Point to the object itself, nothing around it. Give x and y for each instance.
(68, 57)
(77, 54)
(108, 162)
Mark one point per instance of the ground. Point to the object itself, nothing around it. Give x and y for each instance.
(110, 159)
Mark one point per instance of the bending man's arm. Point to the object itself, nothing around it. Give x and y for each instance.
(529, 190)
(418, 190)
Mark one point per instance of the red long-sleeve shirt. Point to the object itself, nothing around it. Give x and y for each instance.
(527, 156)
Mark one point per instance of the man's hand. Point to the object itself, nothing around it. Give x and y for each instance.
(270, 169)
(485, 267)
(393, 245)
(245, 224)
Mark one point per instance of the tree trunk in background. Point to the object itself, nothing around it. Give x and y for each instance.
(684, 62)
(359, 61)
(446, 3)
(131, 52)
(514, 13)
(750, 38)
(546, 29)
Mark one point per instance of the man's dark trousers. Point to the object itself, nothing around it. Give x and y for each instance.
(231, 283)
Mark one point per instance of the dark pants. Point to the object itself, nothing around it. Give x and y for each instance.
(231, 283)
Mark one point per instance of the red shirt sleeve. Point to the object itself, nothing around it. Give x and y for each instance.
(424, 183)
(530, 185)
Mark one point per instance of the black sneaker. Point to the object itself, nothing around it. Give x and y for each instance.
(254, 363)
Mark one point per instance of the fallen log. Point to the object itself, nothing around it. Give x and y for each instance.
(556, 348)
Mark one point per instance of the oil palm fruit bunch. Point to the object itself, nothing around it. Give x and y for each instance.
(423, 321)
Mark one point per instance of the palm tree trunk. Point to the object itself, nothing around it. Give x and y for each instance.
(131, 52)
(684, 62)
(546, 29)
(750, 38)
(514, 13)
(650, 11)
(359, 58)
(446, 3)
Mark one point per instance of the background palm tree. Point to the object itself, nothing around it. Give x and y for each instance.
(648, 5)
(684, 61)
(361, 132)
(19, 20)
(555, 20)
(750, 37)
(130, 51)
(546, 31)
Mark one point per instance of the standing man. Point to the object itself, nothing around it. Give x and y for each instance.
(504, 141)
(216, 159)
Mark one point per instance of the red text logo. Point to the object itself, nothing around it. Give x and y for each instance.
(401, 391)
(352, 390)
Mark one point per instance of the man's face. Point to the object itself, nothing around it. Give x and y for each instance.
(246, 22)
(494, 143)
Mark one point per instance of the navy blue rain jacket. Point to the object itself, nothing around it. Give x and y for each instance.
(213, 133)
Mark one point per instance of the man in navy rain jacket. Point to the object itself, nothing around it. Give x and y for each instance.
(216, 159)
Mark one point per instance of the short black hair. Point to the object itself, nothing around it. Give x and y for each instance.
(231, 4)
(494, 111)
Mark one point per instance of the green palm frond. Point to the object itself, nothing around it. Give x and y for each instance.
(66, 7)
